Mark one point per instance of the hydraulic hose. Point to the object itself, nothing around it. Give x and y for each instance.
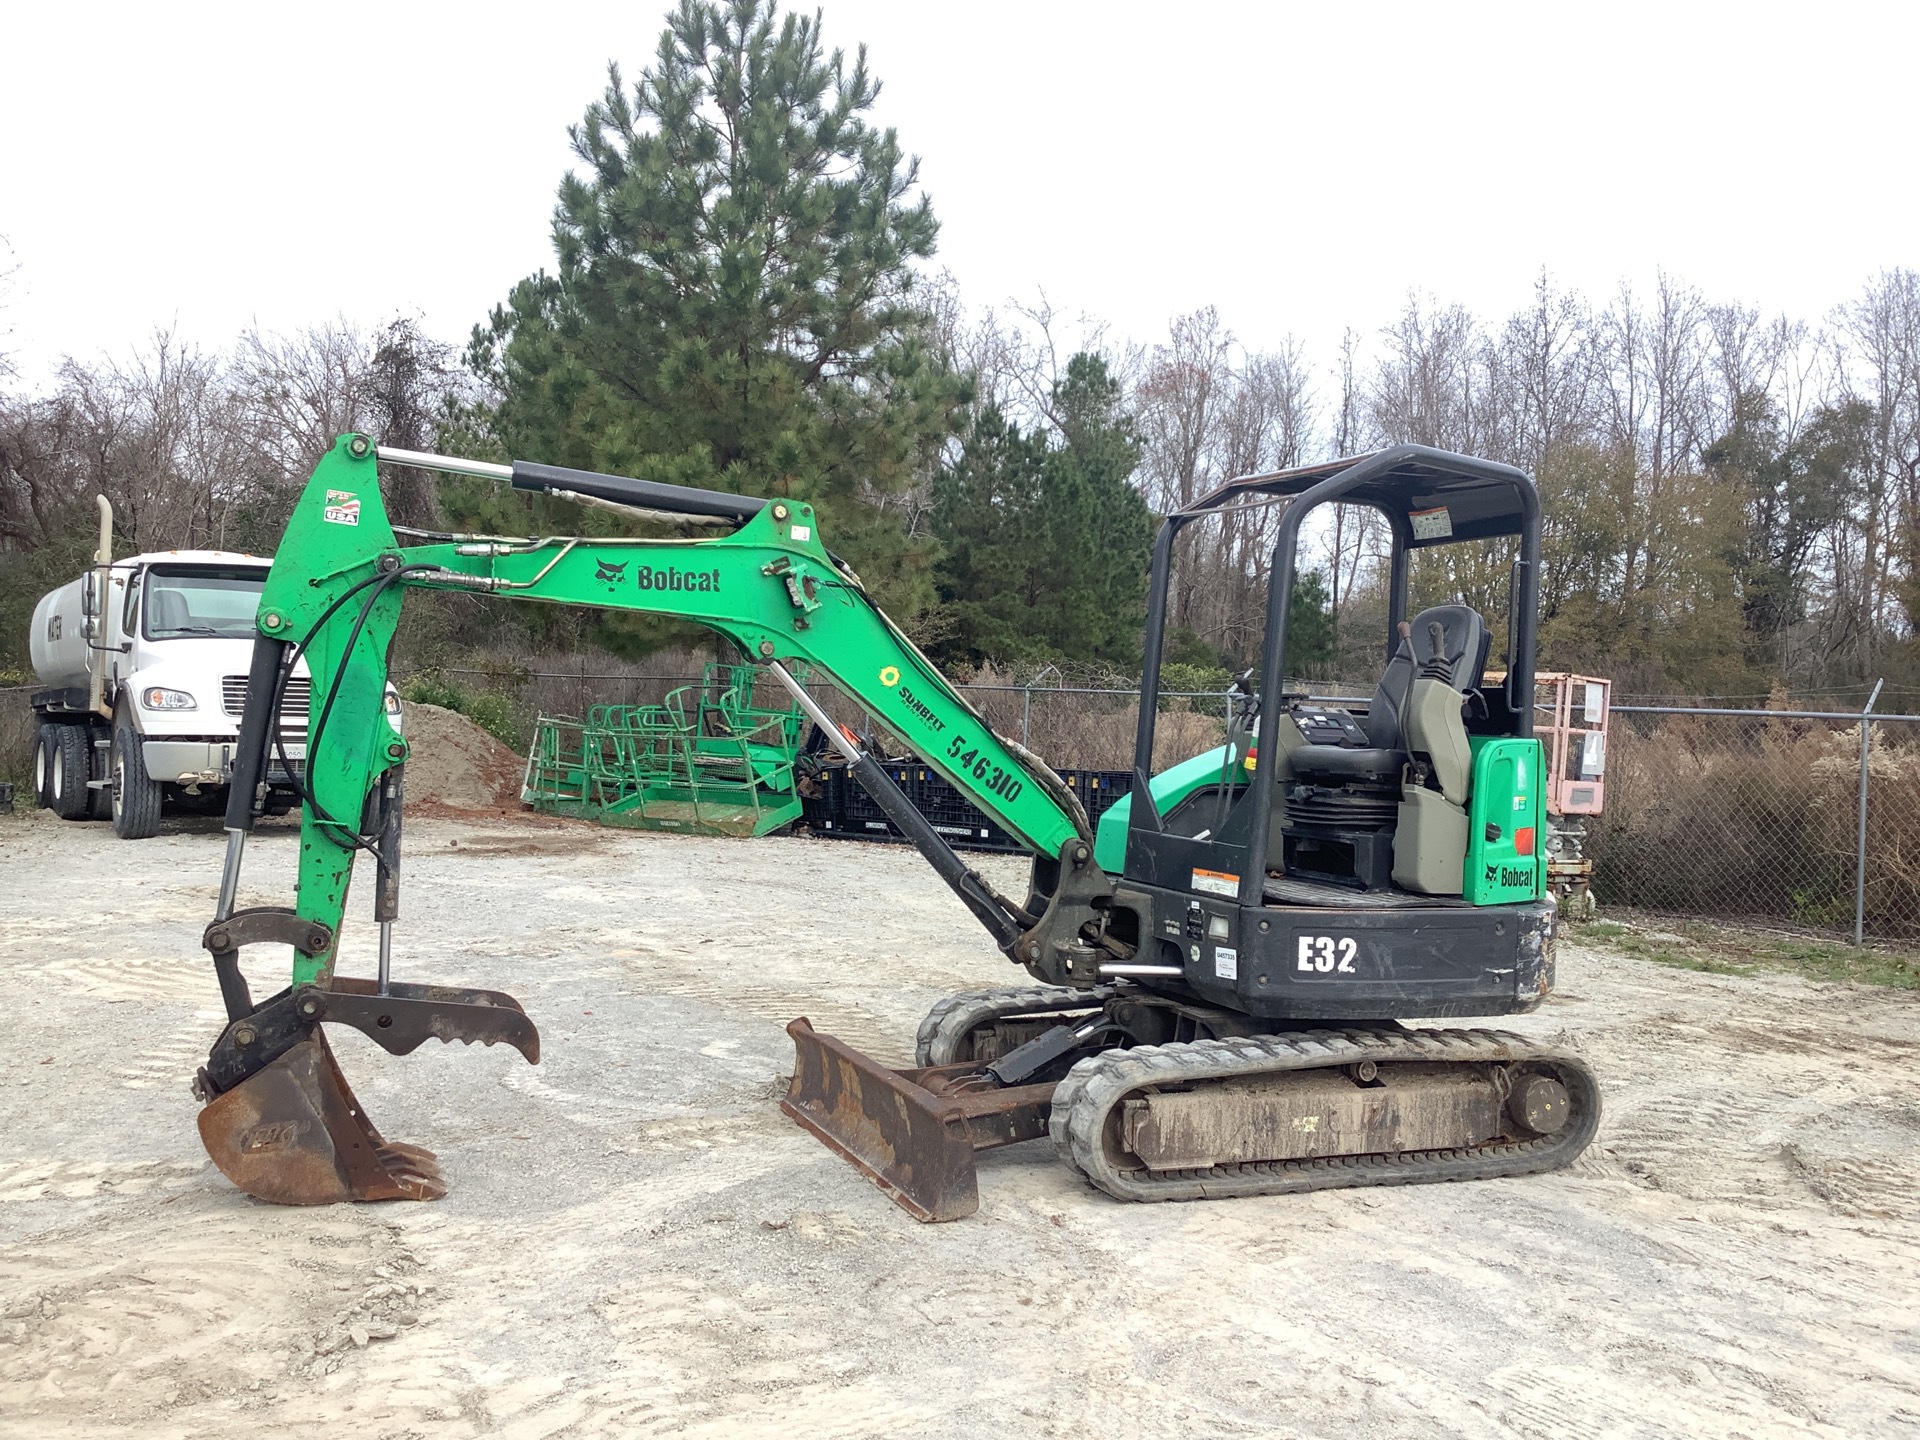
(256, 732)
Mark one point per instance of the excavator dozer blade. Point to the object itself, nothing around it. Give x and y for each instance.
(293, 1134)
(912, 1143)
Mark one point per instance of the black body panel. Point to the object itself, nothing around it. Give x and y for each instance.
(1309, 963)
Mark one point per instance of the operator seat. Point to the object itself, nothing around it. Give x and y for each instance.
(1344, 800)
(1467, 643)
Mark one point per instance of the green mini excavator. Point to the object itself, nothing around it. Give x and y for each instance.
(1223, 970)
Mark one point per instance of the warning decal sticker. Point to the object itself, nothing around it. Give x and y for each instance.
(1216, 882)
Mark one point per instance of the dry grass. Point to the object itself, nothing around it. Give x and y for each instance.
(16, 742)
(1756, 817)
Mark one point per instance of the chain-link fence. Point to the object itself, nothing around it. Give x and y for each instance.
(1075, 727)
(1779, 815)
(16, 741)
(1724, 814)
(1784, 816)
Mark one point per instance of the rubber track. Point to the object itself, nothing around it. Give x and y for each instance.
(951, 1020)
(1095, 1086)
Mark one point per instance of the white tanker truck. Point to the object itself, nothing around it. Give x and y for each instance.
(145, 662)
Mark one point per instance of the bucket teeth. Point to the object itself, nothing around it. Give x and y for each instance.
(413, 1173)
(292, 1133)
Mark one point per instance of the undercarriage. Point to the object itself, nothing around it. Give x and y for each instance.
(1158, 1096)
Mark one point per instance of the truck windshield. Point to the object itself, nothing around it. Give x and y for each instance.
(207, 600)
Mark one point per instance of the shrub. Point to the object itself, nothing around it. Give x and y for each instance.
(491, 711)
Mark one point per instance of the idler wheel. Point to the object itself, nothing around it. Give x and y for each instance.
(1539, 1105)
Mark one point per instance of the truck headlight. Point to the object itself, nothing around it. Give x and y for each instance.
(157, 698)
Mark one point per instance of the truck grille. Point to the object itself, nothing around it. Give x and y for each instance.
(233, 697)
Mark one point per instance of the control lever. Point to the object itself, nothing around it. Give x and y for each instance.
(1406, 696)
(1438, 666)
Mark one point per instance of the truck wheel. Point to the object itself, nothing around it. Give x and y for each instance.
(67, 793)
(45, 757)
(136, 794)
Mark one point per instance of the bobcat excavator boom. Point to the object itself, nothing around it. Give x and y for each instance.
(1155, 1078)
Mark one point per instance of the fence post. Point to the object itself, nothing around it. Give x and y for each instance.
(1026, 703)
(1860, 844)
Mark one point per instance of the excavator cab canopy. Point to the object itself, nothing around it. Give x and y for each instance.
(1429, 498)
(1475, 499)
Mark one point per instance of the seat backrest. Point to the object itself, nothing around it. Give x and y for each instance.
(170, 610)
(1435, 730)
(1382, 720)
(1465, 641)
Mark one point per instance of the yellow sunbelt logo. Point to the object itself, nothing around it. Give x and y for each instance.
(890, 676)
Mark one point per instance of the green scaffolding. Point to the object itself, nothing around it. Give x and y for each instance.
(707, 761)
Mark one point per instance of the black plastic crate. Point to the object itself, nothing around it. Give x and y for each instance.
(826, 814)
(846, 811)
(957, 818)
(821, 812)
(1099, 789)
(860, 816)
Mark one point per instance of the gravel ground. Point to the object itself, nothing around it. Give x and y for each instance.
(637, 1243)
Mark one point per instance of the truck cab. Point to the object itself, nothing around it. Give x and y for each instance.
(145, 683)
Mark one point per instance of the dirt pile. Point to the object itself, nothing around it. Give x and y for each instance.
(453, 762)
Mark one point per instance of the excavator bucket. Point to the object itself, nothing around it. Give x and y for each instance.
(293, 1134)
(912, 1132)
(281, 1122)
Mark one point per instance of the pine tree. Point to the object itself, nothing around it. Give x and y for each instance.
(996, 575)
(1311, 645)
(1046, 543)
(1102, 531)
(733, 303)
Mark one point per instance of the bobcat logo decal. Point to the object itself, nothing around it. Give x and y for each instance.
(609, 575)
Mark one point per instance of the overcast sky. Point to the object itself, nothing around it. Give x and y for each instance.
(1301, 166)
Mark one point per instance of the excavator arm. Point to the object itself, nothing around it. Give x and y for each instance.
(280, 1120)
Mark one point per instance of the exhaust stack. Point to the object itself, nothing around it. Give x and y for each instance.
(96, 624)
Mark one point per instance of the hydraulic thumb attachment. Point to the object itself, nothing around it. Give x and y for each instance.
(280, 1120)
